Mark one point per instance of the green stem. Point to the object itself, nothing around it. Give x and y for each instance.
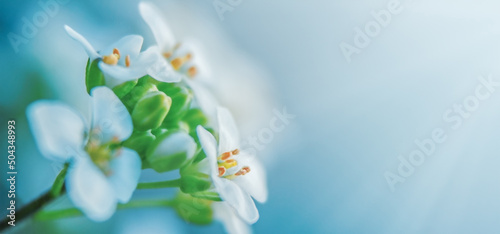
(74, 212)
(29, 209)
(160, 184)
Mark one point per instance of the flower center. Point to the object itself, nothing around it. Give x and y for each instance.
(114, 57)
(101, 153)
(227, 166)
(179, 61)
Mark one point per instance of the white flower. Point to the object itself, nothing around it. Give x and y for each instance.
(101, 173)
(180, 57)
(236, 175)
(123, 61)
(231, 221)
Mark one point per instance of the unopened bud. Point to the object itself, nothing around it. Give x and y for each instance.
(170, 151)
(181, 99)
(140, 142)
(195, 117)
(150, 110)
(193, 210)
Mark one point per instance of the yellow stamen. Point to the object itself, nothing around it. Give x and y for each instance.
(169, 53)
(117, 52)
(179, 61)
(229, 163)
(192, 71)
(113, 58)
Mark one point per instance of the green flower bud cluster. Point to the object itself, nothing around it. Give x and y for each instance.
(164, 136)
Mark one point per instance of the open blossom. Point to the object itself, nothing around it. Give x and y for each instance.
(182, 57)
(231, 221)
(123, 60)
(101, 172)
(237, 176)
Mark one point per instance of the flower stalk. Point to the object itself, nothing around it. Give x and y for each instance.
(36, 205)
(160, 184)
(74, 212)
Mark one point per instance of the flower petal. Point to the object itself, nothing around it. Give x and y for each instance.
(128, 45)
(199, 60)
(89, 189)
(231, 193)
(116, 74)
(125, 172)
(209, 145)
(232, 222)
(110, 115)
(205, 100)
(229, 138)
(161, 31)
(177, 142)
(58, 130)
(254, 182)
(157, 66)
(91, 52)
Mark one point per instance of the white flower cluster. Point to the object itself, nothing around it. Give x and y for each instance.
(103, 171)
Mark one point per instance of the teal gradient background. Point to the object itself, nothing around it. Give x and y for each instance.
(353, 120)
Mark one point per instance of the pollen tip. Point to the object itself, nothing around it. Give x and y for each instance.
(192, 71)
(116, 52)
(127, 61)
(243, 171)
(176, 63)
(225, 156)
(222, 171)
(167, 54)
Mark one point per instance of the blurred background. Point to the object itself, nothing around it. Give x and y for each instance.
(352, 119)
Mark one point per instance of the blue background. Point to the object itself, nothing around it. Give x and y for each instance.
(326, 168)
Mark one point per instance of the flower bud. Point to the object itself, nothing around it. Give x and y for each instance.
(176, 125)
(195, 117)
(170, 151)
(148, 79)
(93, 75)
(181, 99)
(136, 93)
(193, 210)
(193, 180)
(194, 183)
(150, 110)
(140, 142)
(159, 131)
(124, 88)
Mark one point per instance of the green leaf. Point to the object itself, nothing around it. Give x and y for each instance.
(93, 75)
(57, 187)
